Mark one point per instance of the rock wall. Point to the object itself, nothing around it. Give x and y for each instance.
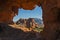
(51, 19)
(9, 33)
(6, 17)
(51, 14)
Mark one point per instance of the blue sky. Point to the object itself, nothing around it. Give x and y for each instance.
(35, 13)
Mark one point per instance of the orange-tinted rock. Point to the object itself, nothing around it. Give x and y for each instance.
(6, 16)
(51, 14)
(50, 17)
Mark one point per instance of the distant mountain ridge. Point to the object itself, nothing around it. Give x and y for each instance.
(38, 20)
(30, 22)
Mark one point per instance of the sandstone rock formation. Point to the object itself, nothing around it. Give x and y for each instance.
(9, 33)
(29, 23)
(51, 14)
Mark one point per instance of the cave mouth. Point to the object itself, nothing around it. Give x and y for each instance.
(28, 15)
(35, 13)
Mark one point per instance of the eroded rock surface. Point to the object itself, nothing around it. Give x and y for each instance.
(51, 14)
(9, 33)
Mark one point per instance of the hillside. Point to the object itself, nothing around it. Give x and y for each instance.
(30, 24)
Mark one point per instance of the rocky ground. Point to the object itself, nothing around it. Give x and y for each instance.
(9, 33)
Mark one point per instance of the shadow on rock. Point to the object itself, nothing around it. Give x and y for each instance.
(9, 33)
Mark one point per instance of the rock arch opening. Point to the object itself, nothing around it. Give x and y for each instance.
(51, 16)
(31, 17)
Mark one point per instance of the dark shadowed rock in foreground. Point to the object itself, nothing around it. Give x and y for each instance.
(9, 33)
